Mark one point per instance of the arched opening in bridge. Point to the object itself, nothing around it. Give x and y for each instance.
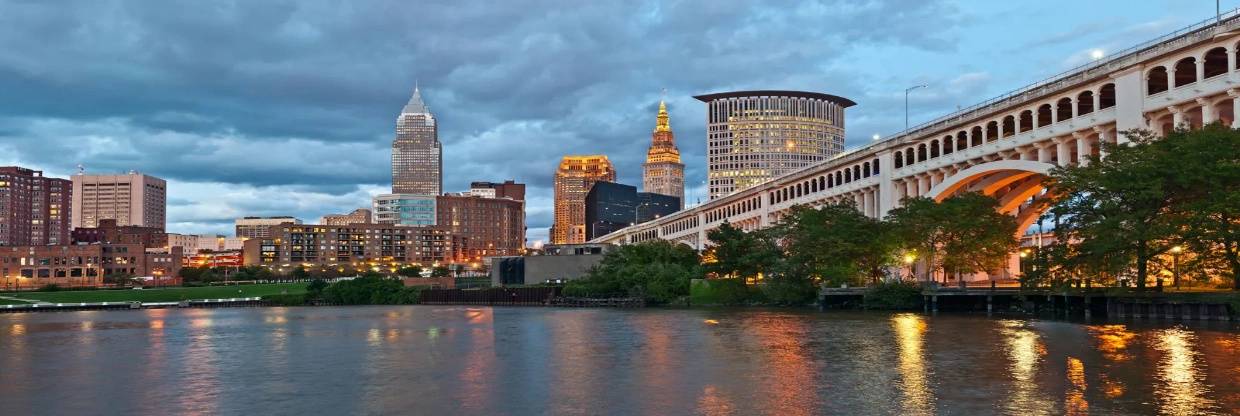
(1026, 121)
(1063, 110)
(962, 140)
(1085, 103)
(1106, 96)
(1224, 112)
(921, 152)
(1009, 126)
(1215, 62)
(1156, 80)
(934, 149)
(947, 145)
(1185, 71)
(908, 156)
(1044, 115)
(1019, 187)
(899, 160)
(976, 134)
(992, 131)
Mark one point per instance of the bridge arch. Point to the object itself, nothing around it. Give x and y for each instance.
(1013, 182)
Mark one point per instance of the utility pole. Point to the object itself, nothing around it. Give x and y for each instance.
(906, 91)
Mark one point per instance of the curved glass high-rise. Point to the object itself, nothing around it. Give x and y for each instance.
(755, 136)
(417, 157)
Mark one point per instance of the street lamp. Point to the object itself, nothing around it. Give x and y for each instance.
(1175, 265)
(906, 91)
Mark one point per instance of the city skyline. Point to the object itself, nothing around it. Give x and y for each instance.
(222, 162)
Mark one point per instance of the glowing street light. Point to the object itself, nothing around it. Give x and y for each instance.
(1097, 54)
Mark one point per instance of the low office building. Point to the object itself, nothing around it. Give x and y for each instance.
(230, 258)
(108, 232)
(260, 227)
(84, 265)
(508, 189)
(494, 226)
(358, 216)
(404, 209)
(373, 246)
(556, 264)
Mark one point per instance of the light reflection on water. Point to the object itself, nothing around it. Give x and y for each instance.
(456, 360)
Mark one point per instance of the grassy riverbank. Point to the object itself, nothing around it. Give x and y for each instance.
(161, 295)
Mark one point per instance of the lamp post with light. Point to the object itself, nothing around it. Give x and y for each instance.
(906, 91)
(1175, 265)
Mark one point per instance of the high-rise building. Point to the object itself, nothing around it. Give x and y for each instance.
(358, 216)
(361, 246)
(492, 226)
(755, 136)
(417, 158)
(260, 227)
(130, 199)
(34, 210)
(611, 206)
(573, 180)
(412, 210)
(663, 173)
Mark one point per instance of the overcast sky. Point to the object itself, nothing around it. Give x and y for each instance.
(288, 107)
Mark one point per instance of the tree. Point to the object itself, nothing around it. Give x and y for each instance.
(315, 287)
(658, 271)
(963, 234)
(410, 271)
(836, 243)
(440, 271)
(736, 253)
(299, 273)
(1203, 182)
(1118, 208)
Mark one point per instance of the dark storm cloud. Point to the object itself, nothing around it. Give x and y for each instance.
(300, 97)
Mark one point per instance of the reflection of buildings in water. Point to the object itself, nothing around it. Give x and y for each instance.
(1025, 350)
(1182, 388)
(714, 403)
(478, 379)
(788, 386)
(1112, 341)
(910, 332)
(1074, 399)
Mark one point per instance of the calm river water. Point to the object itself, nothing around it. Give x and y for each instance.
(439, 360)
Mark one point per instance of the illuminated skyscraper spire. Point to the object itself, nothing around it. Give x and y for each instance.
(417, 157)
(663, 173)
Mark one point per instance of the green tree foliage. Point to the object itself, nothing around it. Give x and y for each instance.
(1126, 212)
(837, 244)
(962, 234)
(315, 287)
(299, 273)
(370, 290)
(658, 271)
(440, 271)
(736, 253)
(410, 271)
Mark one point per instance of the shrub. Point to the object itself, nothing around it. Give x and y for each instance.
(370, 291)
(894, 295)
(286, 299)
(722, 292)
(789, 291)
(52, 287)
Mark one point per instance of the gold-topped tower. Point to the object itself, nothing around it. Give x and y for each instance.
(663, 173)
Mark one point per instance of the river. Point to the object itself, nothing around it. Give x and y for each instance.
(439, 360)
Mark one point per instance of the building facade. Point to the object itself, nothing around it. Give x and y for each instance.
(109, 233)
(492, 226)
(84, 265)
(573, 180)
(609, 206)
(260, 227)
(652, 206)
(130, 199)
(663, 172)
(755, 136)
(34, 209)
(555, 264)
(508, 189)
(417, 157)
(411, 210)
(361, 246)
(358, 216)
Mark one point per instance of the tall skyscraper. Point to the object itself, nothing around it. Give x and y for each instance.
(417, 157)
(130, 199)
(572, 182)
(755, 136)
(663, 173)
(34, 210)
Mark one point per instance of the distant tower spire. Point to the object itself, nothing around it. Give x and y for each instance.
(415, 105)
(663, 124)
